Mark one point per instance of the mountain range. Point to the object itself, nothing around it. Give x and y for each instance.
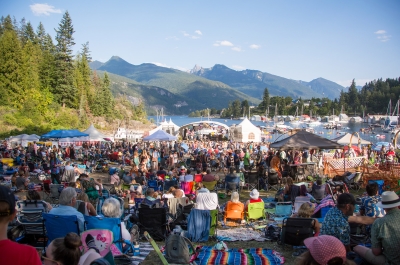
(180, 92)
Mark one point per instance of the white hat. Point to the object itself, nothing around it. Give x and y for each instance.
(183, 167)
(389, 200)
(254, 194)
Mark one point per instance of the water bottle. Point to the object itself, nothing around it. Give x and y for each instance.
(136, 250)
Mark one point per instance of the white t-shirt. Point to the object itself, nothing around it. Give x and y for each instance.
(188, 178)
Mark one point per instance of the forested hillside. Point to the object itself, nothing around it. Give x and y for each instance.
(44, 86)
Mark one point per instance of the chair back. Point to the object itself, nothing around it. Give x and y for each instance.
(273, 178)
(112, 224)
(295, 230)
(152, 184)
(255, 211)
(252, 178)
(210, 185)
(103, 239)
(59, 225)
(299, 201)
(30, 216)
(206, 201)
(283, 209)
(300, 170)
(187, 187)
(380, 182)
(234, 211)
(214, 222)
(154, 221)
(198, 178)
(169, 184)
(161, 176)
(46, 185)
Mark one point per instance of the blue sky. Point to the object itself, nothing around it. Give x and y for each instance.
(302, 40)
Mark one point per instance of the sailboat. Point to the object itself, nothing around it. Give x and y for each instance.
(296, 120)
(391, 120)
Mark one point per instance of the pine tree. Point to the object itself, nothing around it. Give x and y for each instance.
(64, 90)
(107, 97)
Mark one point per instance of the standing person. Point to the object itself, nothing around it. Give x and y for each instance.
(385, 233)
(246, 159)
(154, 159)
(89, 187)
(12, 252)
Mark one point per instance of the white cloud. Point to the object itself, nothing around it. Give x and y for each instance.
(381, 31)
(382, 36)
(198, 32)
(238, 67)
(236, 49)
(194, 37)
(255, 46)
(44, 9)
(223, 43)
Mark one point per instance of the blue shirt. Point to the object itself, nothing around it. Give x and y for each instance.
(336, 224)
(368, 204)
(69, 210)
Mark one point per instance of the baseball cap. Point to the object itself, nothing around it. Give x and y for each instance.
(324, 248)
(6, 195)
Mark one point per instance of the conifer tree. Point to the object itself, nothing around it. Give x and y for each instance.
(64, 90)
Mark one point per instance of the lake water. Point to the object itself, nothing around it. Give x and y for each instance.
(327, 133)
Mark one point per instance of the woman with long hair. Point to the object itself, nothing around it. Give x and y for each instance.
(55, 168)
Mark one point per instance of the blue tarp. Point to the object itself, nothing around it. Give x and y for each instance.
(64, 134)
(160, 135)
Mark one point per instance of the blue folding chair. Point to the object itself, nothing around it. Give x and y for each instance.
(112, 224)
(59, 225)
(169, 183)
(152, 184)
(282, 210)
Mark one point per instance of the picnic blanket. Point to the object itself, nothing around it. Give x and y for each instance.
(145, 249)
(239, 234)
(251, 256)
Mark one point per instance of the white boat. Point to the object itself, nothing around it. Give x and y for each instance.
(313, 123)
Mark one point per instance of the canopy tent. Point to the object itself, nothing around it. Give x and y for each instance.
(25, 137)
(305, 140)
(345, 139)
(245, 132)
(160, 135)
(64, 134)
(94, 134)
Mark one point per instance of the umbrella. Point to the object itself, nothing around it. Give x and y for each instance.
(160, 135)
(305, 140)
(345, 139)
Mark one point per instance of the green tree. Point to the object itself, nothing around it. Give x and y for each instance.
(353, 99)
(245, 107)
(64, 90)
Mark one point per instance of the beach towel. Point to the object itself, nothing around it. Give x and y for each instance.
(252, 256)
(199, 223)
(239, 234)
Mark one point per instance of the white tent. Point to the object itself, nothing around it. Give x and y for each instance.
(94, 134)
(245, 132)
(23, 139)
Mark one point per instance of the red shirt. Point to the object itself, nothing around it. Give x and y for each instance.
(258, 200)
(18, 254)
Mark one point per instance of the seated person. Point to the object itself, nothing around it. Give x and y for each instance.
(254, 197)
(199, 187)
(305, 194)
(66, 206)
(368, 205)
(85, 207)
(306, 210)
(169, 193)
(150, 201)
(320, 252)
(234, 200)
(112, 208)
(161, 171)
(231, 180)
(188, 176)
(65, 251)
(127, 178)
(318, 190)
(178, 193)
(208, 177)
(12, 252)
(286, 168)
(141, 179)
(34, 195)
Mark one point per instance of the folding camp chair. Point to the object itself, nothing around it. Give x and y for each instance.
(59, 225)
(154, 221)
(180, 218)
(112, 224)
(199, 225)
(46, 189)
(207, 201)
(252, 181)
(234, 211)
(300, 174)
(214, 223)
(255, 211)
(152, 184)
(187, 187)
(169, 184)
(210, 185)
(295, 230)
(30, 217)
(198, 178)
(232, 186)
(282, 211)
(299, 201)
(54, 193)
(137, 201)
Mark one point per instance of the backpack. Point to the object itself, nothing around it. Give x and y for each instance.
(177, 250)
(273, 232)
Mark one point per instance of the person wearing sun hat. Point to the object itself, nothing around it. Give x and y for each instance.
(10, 252)
(323, 250)
(385, 233)
(254, 197)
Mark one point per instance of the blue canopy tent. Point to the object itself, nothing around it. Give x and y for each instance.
(64, 134)
(160, 135)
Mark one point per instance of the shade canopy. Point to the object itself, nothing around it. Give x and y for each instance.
(345, 139)
(160, 135)
(305, 140)
(64, 134)
(94, 134)
(25, 137)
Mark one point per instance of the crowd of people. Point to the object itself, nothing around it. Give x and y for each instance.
(223, 163)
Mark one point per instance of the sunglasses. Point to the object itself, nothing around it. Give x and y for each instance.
(44, 257)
